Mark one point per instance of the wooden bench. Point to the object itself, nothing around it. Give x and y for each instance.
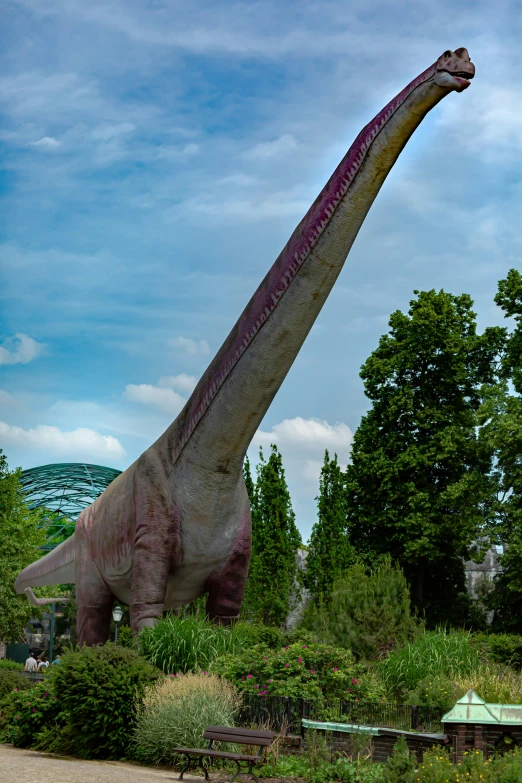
(262, 739)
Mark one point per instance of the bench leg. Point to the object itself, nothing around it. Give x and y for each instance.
(203, 767)
(238, 771)
(251, 772)
(186, 767)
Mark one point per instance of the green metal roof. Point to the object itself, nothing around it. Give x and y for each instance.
(347, 728)
(472, 709)
(63, 490)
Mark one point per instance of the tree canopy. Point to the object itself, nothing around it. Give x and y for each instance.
(20, 542)
(419, 485)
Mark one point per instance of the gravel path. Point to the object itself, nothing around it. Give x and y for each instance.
(29, 766)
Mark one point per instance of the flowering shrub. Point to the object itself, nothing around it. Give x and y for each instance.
(24, 713)
(300, 670)
(11, 681)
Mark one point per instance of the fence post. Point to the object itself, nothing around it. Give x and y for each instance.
(414, 718)
(287, 714)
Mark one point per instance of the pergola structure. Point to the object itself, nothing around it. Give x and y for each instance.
(63, 490)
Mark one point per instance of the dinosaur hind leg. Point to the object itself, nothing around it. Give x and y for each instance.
(226, 588)
(94, 601)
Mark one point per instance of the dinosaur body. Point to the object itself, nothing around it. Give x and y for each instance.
(176, 523)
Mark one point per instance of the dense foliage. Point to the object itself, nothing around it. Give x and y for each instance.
(330, 551)
(20, 541)
(419, 483)
(368, 611)
(298, 670)
(271, 585)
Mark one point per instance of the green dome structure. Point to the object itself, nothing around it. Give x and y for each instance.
(63, 490)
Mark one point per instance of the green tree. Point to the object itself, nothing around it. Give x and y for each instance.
(368, 610)
(275, 541)
(501, 431)
(330, 551)
(419, 484)
(20, 542)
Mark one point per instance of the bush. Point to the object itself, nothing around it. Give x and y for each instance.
(368, 612)
(299, 670)
(495, 684)
(400, 766)
(12, 681)
(176, 711)
(189, 643)
(501, 648)
(5, 663)
(24, 713)
(432, 654)
(98, 688)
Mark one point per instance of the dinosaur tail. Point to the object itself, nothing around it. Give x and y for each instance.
(56, 568)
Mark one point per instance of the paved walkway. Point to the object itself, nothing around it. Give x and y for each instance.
(29, 766)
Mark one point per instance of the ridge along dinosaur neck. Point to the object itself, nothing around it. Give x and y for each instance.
(176, 523)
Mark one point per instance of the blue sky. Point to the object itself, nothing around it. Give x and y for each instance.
(157, 156)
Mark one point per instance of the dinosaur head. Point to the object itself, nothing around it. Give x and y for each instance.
(454, 70)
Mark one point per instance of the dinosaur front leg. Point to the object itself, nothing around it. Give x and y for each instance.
(94, 601)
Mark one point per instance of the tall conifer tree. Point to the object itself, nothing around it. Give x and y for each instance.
(275, 541)
(330, 551)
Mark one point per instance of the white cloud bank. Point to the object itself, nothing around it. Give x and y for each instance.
(81, 443)
(165, 397)
(20, 349)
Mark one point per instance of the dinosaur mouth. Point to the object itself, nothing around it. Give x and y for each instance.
(462, 75)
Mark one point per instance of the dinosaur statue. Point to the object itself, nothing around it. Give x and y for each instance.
(176, 523)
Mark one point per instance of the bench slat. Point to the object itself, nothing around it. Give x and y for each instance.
(215, 754)
(240, 736)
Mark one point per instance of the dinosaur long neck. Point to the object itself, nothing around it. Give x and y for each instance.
(222, 415)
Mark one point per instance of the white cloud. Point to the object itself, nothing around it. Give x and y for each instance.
(183, 383)
(46, 143)
(308, 437)
(273, 149)
(164, 399)
(6, 399)
(190, 346)
(81, 443)
(106, 132)
(20, 349)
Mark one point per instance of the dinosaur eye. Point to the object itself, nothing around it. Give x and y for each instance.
(447, 53)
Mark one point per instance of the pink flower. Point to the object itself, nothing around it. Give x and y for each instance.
(205, 672)
(265, 658)
(270, 681)
(354, 681)
(171, 675)
(243, 678)
(312, 671)
(16, 690)
(46, 694)
(34, 709)
(16, 717)
(286, 648)
(256, 687)
(249, 676)
(336, 669)
(348, 690)
(305, 647)
(287, 665)
(299, 660)
(28, 704)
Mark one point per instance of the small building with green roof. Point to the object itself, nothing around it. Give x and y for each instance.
(474, 725)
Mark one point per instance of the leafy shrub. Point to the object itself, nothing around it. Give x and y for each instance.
(299, 670)
(11, 681)
(501, 648)
(305, 768)
(98, 688)
(189, 643)
(494, 684)
(400, 766)
(23, 714)
(5, 663)
(176, 711)
(432, 654)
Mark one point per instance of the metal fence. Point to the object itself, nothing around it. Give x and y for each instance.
(285, 714)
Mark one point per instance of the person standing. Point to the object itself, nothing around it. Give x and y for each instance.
(42, 666)
(30, 664)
